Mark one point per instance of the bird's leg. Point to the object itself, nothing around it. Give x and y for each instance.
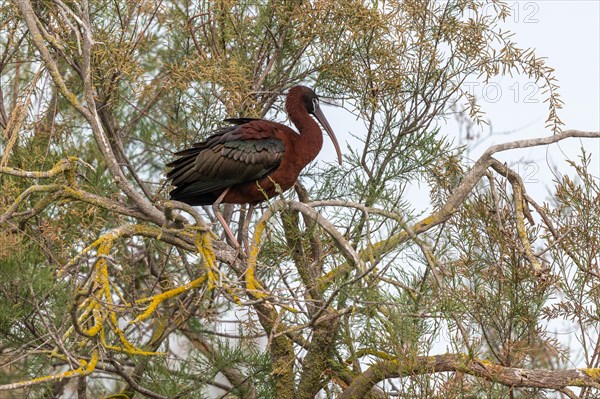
(231, 238)
(244, 235)
(241, 222)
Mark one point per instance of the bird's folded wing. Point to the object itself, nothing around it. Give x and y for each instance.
(234, 155)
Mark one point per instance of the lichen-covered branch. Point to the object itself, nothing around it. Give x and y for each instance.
(60, 167)
(477, 171)
(86, 367)
(90, 112)
(519, 203)
(460, 363)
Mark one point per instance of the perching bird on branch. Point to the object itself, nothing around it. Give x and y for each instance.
(249, 161)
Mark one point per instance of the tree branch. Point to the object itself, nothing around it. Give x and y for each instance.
(89, 113)
(455, 200)
(460, 363)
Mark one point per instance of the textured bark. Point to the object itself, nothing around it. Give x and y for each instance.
(317, 358)
(508, 376)
(283, 359)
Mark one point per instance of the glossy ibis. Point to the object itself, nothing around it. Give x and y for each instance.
(250, 160)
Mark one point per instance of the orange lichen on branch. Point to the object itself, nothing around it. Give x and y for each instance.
(252, 285)
(126, 347)
(99, 312)
(497, 373)
(120, 232)
(89, 308)
(519, 209)
(593, 373)
(97, 317)
(105, 307)
(85, 368)
(369, 351)
(204, 246)
(100, 308)
(160, 298)
(207, 254)
(203, 240)
(61, 166)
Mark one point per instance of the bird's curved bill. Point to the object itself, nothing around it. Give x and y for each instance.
(321, 118)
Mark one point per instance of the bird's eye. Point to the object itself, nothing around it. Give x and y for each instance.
(315, 103)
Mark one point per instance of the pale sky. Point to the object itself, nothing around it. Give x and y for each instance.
(568, 34)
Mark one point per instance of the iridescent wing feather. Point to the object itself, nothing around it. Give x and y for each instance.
(235, 154)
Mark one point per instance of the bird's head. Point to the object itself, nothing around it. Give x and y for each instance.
(310, 101)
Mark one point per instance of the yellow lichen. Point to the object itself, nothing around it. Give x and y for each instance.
(252, 284)
(204, 246)
(519, 209)
(98, 313)
(369, 351)
(85, 368)
(158, 299)
(203, 241)
(101, 304)
(593, 373)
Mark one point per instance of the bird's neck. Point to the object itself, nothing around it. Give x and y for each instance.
(311, 138)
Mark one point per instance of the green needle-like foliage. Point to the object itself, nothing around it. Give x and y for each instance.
(346, 286)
